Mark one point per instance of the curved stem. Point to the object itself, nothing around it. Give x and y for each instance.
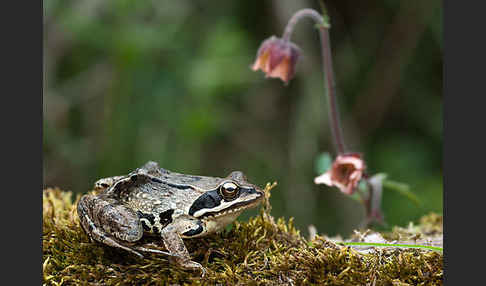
(303, 13)
(327, 67)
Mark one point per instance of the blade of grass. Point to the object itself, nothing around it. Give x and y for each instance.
(435, 248)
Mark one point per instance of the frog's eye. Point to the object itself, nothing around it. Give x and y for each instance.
(229, 191)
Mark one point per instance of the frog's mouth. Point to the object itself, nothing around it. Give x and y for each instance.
(213, 205)
(236, 208)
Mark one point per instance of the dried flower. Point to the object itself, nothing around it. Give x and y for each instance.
(277, 58)
(345, 173)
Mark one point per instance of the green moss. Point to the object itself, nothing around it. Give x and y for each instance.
(260, 251)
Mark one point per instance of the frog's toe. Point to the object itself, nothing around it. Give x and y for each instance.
(195, 266)
(203, 271)
(133, 251)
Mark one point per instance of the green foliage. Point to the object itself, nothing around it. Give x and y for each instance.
(261, 251)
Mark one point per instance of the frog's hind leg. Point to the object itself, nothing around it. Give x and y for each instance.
(109, 224)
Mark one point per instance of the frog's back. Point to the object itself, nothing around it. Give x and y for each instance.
(147, 195)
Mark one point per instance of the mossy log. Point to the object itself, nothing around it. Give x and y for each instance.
(261, 251)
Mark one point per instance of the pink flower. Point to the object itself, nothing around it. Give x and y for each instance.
(345, 173)
(277, 58)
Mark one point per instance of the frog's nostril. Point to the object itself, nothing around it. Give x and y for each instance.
(253, 191)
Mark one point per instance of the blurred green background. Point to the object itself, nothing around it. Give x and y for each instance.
(130, 81)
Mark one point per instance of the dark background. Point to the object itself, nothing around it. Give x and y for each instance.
(126, 82)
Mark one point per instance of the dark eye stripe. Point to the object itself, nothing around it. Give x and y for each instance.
(207, 200)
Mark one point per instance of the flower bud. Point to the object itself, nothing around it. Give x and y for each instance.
(277, 58)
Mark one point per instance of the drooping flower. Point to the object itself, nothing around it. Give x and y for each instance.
(277, 58)
(345, 173)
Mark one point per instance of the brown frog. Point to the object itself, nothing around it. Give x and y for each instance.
(153, 200)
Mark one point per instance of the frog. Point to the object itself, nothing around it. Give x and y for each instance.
(153, 201)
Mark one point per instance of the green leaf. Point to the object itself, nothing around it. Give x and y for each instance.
(323, 162)
(435, 248)
(402, 189)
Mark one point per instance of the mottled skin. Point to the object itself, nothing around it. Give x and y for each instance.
(156, 201)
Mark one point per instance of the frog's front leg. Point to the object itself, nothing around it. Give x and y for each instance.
(172, 238)
(109, 223)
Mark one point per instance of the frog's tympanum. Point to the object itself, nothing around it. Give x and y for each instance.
(156, 201)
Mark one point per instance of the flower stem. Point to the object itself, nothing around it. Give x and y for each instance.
(327, 67)
(331, 94)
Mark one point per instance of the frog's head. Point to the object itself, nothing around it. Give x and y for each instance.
(220, 204)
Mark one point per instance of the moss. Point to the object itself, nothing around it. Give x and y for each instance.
(261, 251)
(428, 231)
